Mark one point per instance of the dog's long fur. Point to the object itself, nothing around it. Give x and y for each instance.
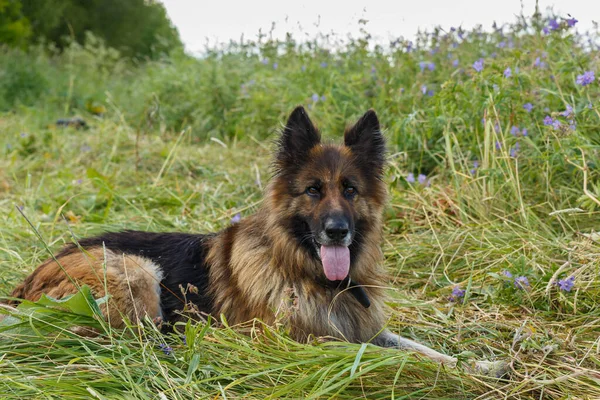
(251, 268)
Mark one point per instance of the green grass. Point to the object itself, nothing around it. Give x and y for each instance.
(181, 146)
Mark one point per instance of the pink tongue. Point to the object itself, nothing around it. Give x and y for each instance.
(336, 262)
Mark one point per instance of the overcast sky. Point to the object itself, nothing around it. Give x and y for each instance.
(220, 21)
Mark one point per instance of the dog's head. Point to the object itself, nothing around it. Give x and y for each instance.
(330, 197)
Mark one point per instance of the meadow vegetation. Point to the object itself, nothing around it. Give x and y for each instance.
(490, 241)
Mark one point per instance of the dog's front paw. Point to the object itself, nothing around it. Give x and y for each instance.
(495, 369)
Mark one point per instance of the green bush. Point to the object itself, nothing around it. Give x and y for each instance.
(23, 79)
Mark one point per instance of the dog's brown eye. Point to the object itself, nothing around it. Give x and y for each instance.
(350, 191)
(312, 191)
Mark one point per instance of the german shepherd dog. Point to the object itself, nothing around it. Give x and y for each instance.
(315, 240)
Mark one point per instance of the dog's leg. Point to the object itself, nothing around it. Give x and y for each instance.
(389, 339)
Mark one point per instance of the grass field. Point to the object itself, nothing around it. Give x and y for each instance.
(490, 240)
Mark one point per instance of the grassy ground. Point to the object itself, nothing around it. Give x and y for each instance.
(480, 251)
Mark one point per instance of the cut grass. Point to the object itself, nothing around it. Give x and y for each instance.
(550, 337)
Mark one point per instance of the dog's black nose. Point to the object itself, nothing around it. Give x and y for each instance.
(336, 229)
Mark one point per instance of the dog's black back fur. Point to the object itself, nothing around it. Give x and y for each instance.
(180, 256)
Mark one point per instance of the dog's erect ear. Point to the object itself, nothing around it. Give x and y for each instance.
(366, 141)
(297, 138)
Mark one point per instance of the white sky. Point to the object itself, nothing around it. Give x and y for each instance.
(220, 21)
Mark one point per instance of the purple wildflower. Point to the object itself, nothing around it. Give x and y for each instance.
(323, 64)
(515, 130)
(478, 65)
(168, 350)
(514, 151)
(455, 62)
(429, 65)
(521, 282)
(275, 65)
(539, 63)
(315, 97)
(556, 124)
(548, 120)
(571, 22)
(528, 107)
(85, 148)
(586, 78)
(323, 98)
(430, 93)
(502, 44)
(457, 294)
(507, 274)
(524, 132)
(422, 179)
(265, 61)
(410, 178)
(566, 284)
(590, 106)
(573, 125)
(79, 181)
(236, 218)
(498, 145)
(473, 170)
(507, 72)
(567, 112)
(23, 134)
(423, 89)
(303, 68)
(545, 30)
(554, 24)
